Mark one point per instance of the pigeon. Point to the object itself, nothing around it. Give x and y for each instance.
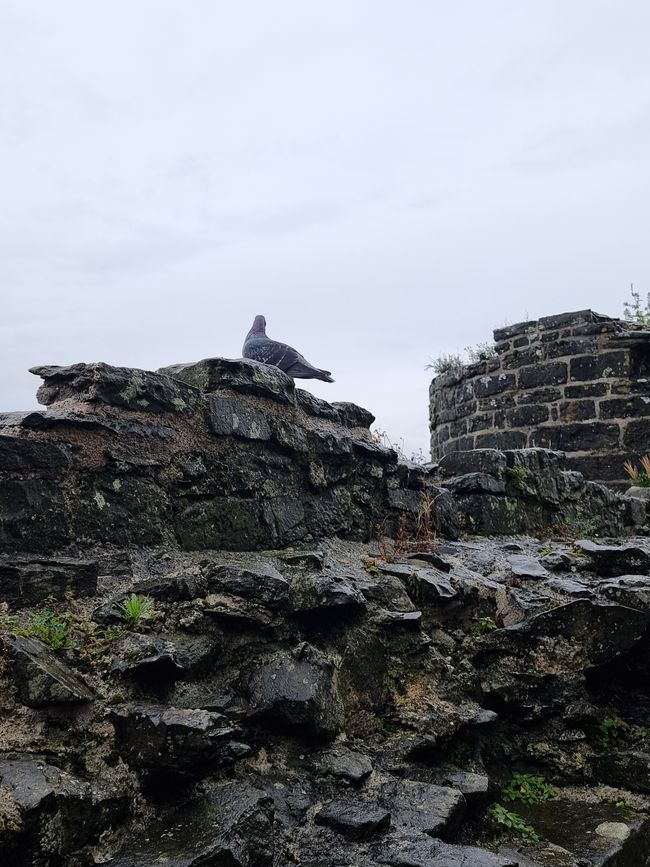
(259, 347)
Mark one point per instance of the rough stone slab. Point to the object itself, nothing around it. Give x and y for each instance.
(56, 418)
(351, 415)
(345, 764)
(228, 416)
(26, 455)
(299, 693)
(30, 581)
(630, 590)
(324, 593)
(411, 849)
(434, 810)
(526, 567)
(241, 374)
(59, 812)
(475, 483)
(126, 387)
(32, 516)
(183, 742)
(232, 826)
(488, 461)
(627, 769)
(357, 821)
(255, 581)
(614, 560)
(42, 678)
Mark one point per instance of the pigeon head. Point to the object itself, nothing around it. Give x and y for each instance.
(259, 327)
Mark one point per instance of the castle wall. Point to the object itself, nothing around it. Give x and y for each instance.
(575, 382)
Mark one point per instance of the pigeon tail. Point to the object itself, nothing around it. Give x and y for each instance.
(304, 370)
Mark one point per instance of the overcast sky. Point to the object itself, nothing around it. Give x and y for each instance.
(384, 181)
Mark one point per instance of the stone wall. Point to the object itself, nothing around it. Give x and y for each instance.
(221, 455)
(576, 382)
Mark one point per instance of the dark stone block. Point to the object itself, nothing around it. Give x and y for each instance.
(316, 406)
(476, 483)
(32, 516)
(499, 401)
(231, 827)
(230, 416)
(636, 436)
(242, 375)
(301, 694)
(358, 821)
(508, 439)
(435, 810)
(515, 330)
(458, 428)
(42, 678)
(539, 395)
(24, 455)
(592, 389)
(605, 468)
(494, 384)
(527, 416)
(569, 320)
(577, 437)
(126, 387)
(226, 523)
(608, 365)
(120, 511)
(554, 373)
(520, 358)
(577, 410)
(563, 348)
(351, 415)
(488, 461)
(190, 743)
(520, 342)
(630, 407)
(483, 421)
(30, 581)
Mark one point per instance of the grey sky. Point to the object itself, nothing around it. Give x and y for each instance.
(384, 181)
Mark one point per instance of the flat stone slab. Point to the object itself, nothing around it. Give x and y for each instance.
(42, 678)
(410, 849)
(32, 580)
(434, 810)
(356, 820)
(126, 387)
(237, 374)
(232, 826)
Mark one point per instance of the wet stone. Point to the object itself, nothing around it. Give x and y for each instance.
(526, 567)
(434, 810)
(158, 738)
(613, 560)
(31, 581)
(42, 678)
(357, 821)
(232, 826)
(299, 693)
(411, 849)
(345, 764)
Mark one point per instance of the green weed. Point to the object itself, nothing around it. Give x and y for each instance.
(527, 789)
(135, 609)
(503, 821)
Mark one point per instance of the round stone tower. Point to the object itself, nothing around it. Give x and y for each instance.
(576, 382)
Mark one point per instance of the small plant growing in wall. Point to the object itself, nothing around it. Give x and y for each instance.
(443, 363)
(135, 609)
(528, 789)
(634, 311)
(502, 821)
(640, 478)
(52, 629)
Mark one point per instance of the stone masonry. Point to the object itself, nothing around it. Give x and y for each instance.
(576, 382)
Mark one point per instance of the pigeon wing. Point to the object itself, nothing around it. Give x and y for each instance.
(271, 352)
